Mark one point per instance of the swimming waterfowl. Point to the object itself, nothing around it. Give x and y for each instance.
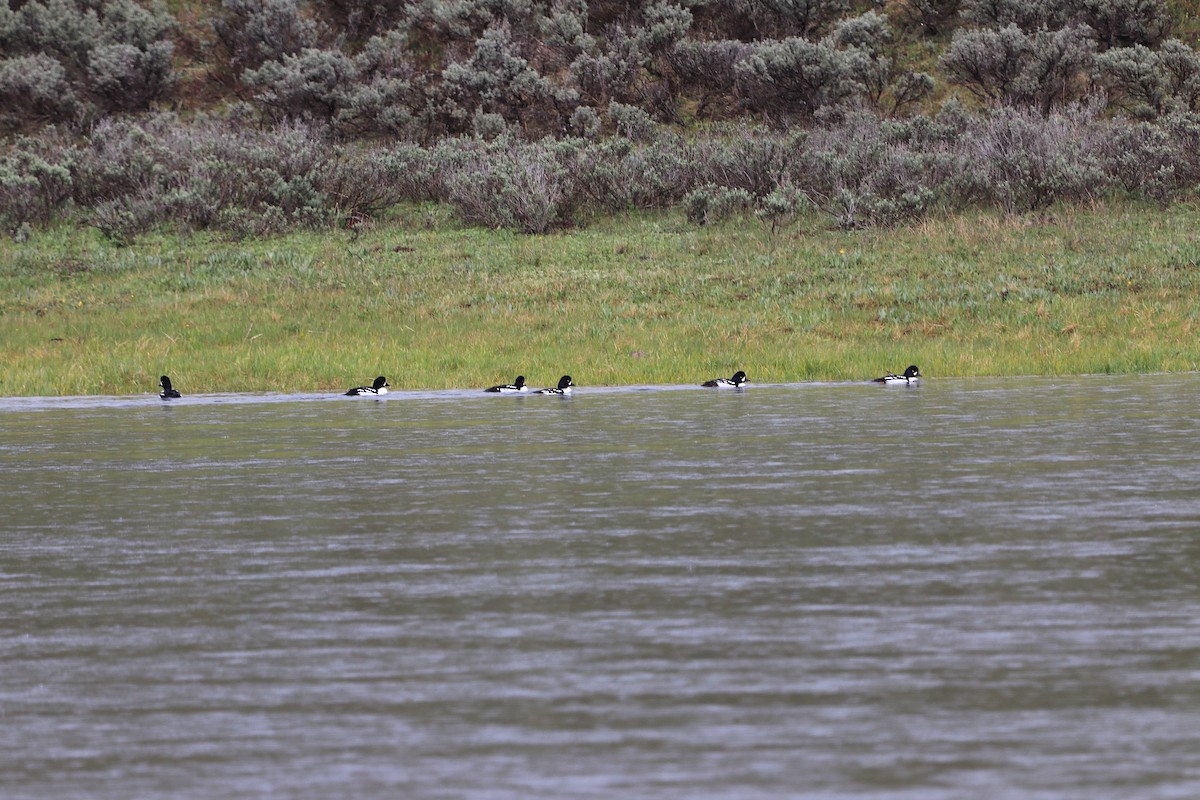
(510, 388)
(911, 375)
(564, 387)
(168, 393)
(380, 386)
(734, 382)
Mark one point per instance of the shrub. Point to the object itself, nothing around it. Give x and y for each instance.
(909, 88)
(868, 32)
(73, 29)
(408, 171)
(34, 89)
(443, 20)
(130, 79)
(780, 206)
(864, 37)
(617, 174)
(710, 203)
(58, 27)
(631, 122)
(987, 62)
(565, 29)
(487, 126)
(864, 172)
(126, 22)
(508, 184)
(313, 84)
(628, 55)
(754, 160)
(1141, 158)
(774, 19)
(1146, 82)
(8, 27)
(665, 26)
(1011, 67)
(284, 167)
(1027, 15)
(257, 31)
(1116, 23)
(1123, 23)
(114, 53)
(796, 76)
(357, 20)
(121, 157)
(357, 185)
(852, 165)
(390, 97)
(932, 17)
(385, 105)
(709, 68)
(35, 182)
(1021, 160)
(585, 122)
(20, 197)
(1183, 128)
(496, 79)
(599, 78)
(1134, 79)
(1181, 64)
(210, 173)
(123, 219)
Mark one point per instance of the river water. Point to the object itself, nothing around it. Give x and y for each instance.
(819, 590)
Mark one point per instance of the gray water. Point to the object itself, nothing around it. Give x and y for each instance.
(973, 587)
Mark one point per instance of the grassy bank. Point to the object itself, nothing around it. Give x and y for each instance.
(639, 299)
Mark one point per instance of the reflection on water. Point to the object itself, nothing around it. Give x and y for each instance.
(816, 590)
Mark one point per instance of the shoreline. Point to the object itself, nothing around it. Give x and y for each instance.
(143, 399)
(628, 300)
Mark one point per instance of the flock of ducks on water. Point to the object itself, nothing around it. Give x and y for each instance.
(909, 377)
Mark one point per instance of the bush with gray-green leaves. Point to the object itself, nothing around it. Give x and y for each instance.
(257, 116)
(855, 169)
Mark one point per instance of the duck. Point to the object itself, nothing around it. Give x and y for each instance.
(734, 382)
(168, 392)
(911, 376)
(564, 387)
(380, 386)
(510, 388)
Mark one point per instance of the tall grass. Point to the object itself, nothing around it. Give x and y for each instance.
(644, 298)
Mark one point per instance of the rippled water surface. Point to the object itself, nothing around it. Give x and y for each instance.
(972, 588)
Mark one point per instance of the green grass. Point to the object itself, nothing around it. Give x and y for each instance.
(626, 300)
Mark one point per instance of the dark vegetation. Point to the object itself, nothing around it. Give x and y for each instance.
(258, 116)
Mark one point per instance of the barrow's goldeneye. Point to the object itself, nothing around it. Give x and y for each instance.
(510, 388)
(735, 382)
(168, 393)
(380, 386)
(911, 375)
(564, 387)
